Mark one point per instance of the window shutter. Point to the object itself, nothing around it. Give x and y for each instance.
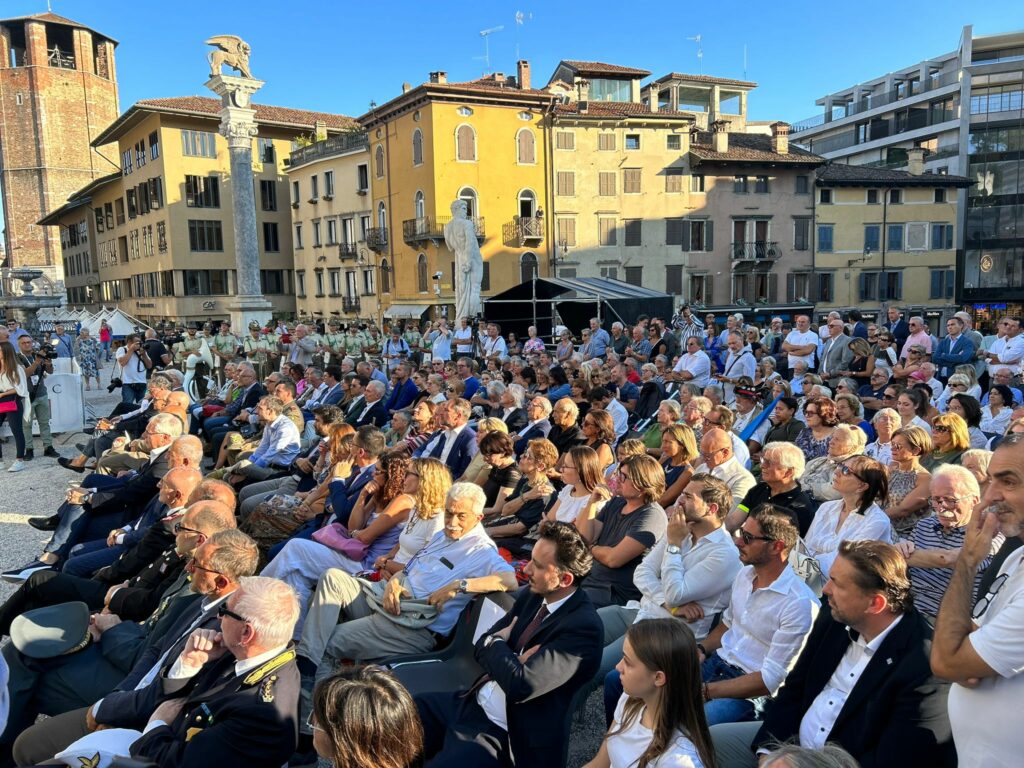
(526, 147)
(709, 231)
(606, 183)
(674, 280)
(684, 228)
(631, 180)
(773, 288)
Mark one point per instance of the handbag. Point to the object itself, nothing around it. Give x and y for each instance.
(336, 536)
(9, 404)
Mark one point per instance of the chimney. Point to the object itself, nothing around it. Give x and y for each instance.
(523, 70)
(915, 161)
(720, 136)
(320, 130)
(780, 138)
(439, 77)
(406, 87)
(652, 97)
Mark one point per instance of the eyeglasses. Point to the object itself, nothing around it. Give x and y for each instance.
(192, 566)
(982, 605)
(940, 428)
(179, 527)
(945, 502)
(846, 471)
(223, 611)
(887, 396)
(749, 538)
(711, 454)
(311, 723)
(809, 412)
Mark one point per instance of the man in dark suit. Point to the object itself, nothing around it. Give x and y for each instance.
(538, 412)
(858, 329)
(534, 660)
(454, 443)
(863, 680)
(899, 329)
(510, 408)
(217, 426)
(953, 350)
(836, 354)
(371, 412)
(122, 655)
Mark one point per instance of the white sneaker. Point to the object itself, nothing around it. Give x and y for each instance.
(17, 466)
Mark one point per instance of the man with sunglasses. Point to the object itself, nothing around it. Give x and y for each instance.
(979, 645)
(89, 687)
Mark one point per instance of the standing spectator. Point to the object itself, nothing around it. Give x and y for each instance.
(63, 342)
(800, 345)
(714, 346)
(157, 352)
(919, 335)
(37, 366)
(87, 352)
(132, 365)
(836, 354)
(599, 338)
(623, 530)
(1008, 352)
(955, 349)
(858, 330)
(978, 645)
(106, 337)
(441, 342)
(976, 339)
(897, 328)
(640, 348)
(841, 693)
(14, 402)
(739, 363)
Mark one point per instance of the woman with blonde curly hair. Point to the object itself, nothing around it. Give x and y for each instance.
(427, 481)
(949, 440)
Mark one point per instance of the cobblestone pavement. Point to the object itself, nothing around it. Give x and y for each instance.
(39, 490)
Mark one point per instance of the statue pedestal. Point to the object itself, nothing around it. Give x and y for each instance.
(245, 309)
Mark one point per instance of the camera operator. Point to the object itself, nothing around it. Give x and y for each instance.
(37, 365)
(132, 365)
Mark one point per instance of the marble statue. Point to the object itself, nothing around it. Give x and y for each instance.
(460, 237)
(234, 52)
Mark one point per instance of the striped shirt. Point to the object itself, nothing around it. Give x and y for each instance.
(928, 585)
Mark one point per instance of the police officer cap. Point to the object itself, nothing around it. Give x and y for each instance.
(44, 633)
(253, 325)
(192, 327)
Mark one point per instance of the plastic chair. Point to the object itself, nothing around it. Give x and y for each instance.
(423, 673)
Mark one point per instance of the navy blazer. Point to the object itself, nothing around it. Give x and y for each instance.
(133, 492)
(896, 713)
(377, 416)
(515, 421)
(900, 331)
(153, 512)
(947, 357)
(401, 397)
(533, 433)
(459, 456)
(343, 494)
(247, 401)
(539, 693)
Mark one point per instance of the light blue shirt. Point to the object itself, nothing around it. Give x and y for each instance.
(280, 443)
(444, 560)
(65, 345)
(441, 345)
(599, 342)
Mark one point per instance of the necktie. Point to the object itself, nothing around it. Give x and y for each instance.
(438, 447)
(531, 628)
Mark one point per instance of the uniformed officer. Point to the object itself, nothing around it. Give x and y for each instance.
(414, 339)
(225, 348)
(333, 345)
(354, 343)
(256, 349)
(192, 342)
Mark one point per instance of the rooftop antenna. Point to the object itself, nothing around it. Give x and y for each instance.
(485, 34)
(700, 53)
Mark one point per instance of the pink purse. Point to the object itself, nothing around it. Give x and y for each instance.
(9, 405)
(336, 537)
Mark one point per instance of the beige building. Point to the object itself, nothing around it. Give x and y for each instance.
(162, 236)
(335, 272)
(886, 237)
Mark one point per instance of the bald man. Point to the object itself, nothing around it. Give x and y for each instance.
(721, 462)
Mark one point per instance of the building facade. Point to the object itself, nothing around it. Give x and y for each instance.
(58, 92)
(964, 107)
(163, 240)
(886, 237)
(336, 274)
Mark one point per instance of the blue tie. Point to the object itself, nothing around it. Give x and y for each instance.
(439, 447)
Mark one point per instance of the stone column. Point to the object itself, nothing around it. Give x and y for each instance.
(238, 126)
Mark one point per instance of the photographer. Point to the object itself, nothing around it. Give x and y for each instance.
(130, 373)
(37, 364)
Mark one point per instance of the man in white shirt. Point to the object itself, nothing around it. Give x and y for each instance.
(494, 346)
(979, 643)
(800, 345)
(739, 363)
(748, 410)
(863, 680)
(722, 417)
(463, 338)
(716, 450)
(600, 397)
(694, 365)
(1007, 351)
(747, 656)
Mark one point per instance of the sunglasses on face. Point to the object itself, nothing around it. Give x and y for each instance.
(846, 471)
(223, 611)
(940, 428)
(749, 538)
(179, 527)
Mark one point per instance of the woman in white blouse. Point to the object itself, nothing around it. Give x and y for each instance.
(861, 483)
(581, 473)
(428, 482)
(995, 416)
(885, 422)
(659, 721)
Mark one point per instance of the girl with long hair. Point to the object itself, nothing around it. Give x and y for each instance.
(678, 452)
(659, 721)
(13, 389)
(581, 473)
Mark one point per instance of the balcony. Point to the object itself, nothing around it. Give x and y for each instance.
(348, 251)
(350, 303)
(432, 228)
(342, 143)
(756, 250)
(526, 231)
(377, 239)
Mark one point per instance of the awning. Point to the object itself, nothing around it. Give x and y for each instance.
(406, 310)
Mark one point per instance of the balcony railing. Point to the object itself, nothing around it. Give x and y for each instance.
(377, 238)
(348, 251)
(920, 116)
(875, 100)
(756, 250)
(350, 303)
(528, 230)
(432, 228)
(335, 145)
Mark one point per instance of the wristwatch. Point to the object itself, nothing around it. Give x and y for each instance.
(463, 586)
(673, 549)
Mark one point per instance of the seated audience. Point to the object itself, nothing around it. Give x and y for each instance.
(678, 454)
(846, 441)
(907, 501)
(949, 440)
(782, 466)
(532, 495)
(821, 419)
(885, 422)
(716, 449)
(785, 427)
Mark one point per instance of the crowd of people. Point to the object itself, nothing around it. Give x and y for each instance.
(765, 546)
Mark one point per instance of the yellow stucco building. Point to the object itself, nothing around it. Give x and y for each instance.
(886, 238)
(482, 142)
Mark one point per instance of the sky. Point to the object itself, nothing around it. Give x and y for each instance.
(339, 56)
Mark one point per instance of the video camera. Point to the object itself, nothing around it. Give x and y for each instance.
(46, 351)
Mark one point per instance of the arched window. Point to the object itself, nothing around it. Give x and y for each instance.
(378, 164)
(417, 147)
(385, 276)
(419, 205)
(527, 267)
(527, 204)
(526, 147)
(421, 273)
(465, 143)
(382, 216)
(469, 195)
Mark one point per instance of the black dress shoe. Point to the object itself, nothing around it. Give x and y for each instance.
(51, 452)
(29, 455)
(66, 463)
(89, 430)
(44, 523)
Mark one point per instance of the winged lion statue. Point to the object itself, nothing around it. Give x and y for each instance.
(233, 51)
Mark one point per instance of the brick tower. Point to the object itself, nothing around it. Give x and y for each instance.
(58, 91)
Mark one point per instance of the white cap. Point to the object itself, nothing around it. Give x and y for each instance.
(99, 748)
